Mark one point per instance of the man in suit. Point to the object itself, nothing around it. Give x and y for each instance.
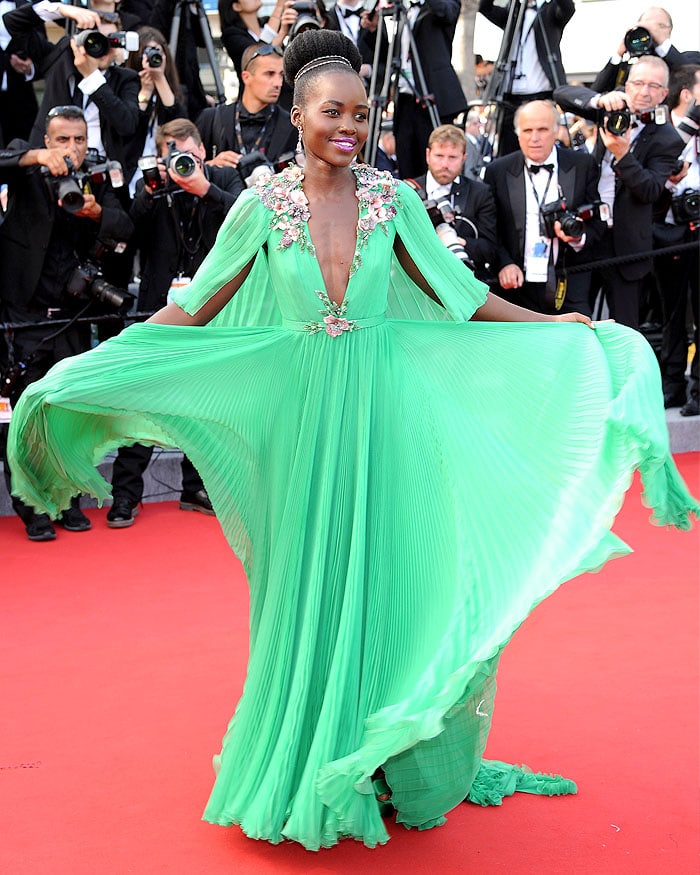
(659, 24)
(472, 201)
(107, 93)
(254, 123)
(18, 106)
(535, 66)
(634, 167)
(352, 19)
(174, 233)
(433, 24)
(41, 245)
(524, 183)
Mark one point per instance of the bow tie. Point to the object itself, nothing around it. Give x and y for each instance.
(535, 168)
(258, 118)
(348, 12)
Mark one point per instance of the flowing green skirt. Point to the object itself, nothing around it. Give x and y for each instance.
(401, 497)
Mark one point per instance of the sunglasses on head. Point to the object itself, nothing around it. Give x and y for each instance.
(262, 52)
(69, 111)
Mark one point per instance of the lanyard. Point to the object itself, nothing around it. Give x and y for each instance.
(239, 135)
(539, 201)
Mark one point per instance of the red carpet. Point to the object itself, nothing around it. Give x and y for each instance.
(123, 654)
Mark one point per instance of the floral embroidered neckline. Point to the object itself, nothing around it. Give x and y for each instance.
(284, 195)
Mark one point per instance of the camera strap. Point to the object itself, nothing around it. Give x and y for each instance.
(256, 146)
(188, 245)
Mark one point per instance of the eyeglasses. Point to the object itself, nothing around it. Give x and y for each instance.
(638, 84)
(262, 51)
(69, 111)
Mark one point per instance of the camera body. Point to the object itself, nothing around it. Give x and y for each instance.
(441, 213)
(254, 166)
(154, 56)
(307, 18)
(617, 121)
(686, 208)
(86, 283)
(572, 221)
(97, 45)
(69, 190)
(638, 41)
(182, 163)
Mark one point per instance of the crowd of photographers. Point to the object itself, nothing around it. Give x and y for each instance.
(114, 188)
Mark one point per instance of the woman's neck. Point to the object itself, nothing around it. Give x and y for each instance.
(324, 181)
(250, 19)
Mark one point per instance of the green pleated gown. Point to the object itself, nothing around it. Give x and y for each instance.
(402, 486)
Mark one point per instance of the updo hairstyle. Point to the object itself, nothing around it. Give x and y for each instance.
(323, 46)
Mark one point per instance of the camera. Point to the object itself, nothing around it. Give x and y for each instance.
(255, 166)
(182, 163)
(154, 56)
(97, 45)
(307, 18)
(86, 283)
(617, 121)
(686, 207)
(690, 123)
(638, 41)
(70, 190)
(572, 221)
(442, 215)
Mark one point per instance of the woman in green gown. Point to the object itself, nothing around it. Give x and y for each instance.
(405, 464)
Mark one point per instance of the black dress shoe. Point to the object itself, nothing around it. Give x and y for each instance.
(74, 520)
(122, 512)
(674, 399)
(198, 500)
(690, 408)
(39, 528)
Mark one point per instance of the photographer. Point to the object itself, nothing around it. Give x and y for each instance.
(470, 201)
(635, 163)
(536, 235)
(241, 27)
(106, 92)
(41, 245)
(18, 106)
(361, 25)
(177, 217)
(650, 36)
(253, 124)
(676, 221)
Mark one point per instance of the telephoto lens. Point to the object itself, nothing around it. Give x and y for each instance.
(183, 164)
(154, 56)
(96, 44)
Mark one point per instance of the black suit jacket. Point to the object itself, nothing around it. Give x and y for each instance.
(473, 201)
(216, 126)
(117, 100)
(551, 19)
(578, 179)
(433, 31)
(157, 237)
(640, 179)
(366, 40)
(25, 233)
(19, 105)
(612, 76)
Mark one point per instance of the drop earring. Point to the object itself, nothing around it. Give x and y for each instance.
(300, 144)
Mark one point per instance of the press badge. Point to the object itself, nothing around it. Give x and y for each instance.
(538, 262)
(178, 283)
(5, 409)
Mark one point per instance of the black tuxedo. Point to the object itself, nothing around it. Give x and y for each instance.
(159, 229)
(217, 128)
(366, 39)
(475, 212)
(117, 100)
(433, 31)
(640, 178)
(578, 178)
(552, 17)
(548, 28)
(612, 76)
(18, 106)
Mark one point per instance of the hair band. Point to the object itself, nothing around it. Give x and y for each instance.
(321, 62)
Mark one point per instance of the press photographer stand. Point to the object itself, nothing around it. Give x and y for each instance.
(379, 99)
(206, 35)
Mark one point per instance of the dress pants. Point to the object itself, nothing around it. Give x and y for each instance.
(412, 128)
(623, 295)
(131, 462)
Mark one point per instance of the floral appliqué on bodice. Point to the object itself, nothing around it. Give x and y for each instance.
(284, 196)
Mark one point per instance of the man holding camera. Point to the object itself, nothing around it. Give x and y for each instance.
(41, 246)
(651, 36)
(179, 207)
(241, 133)
(637, 152)
(676, 221)
(539, 191)
(471, 202)
(82, 74)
